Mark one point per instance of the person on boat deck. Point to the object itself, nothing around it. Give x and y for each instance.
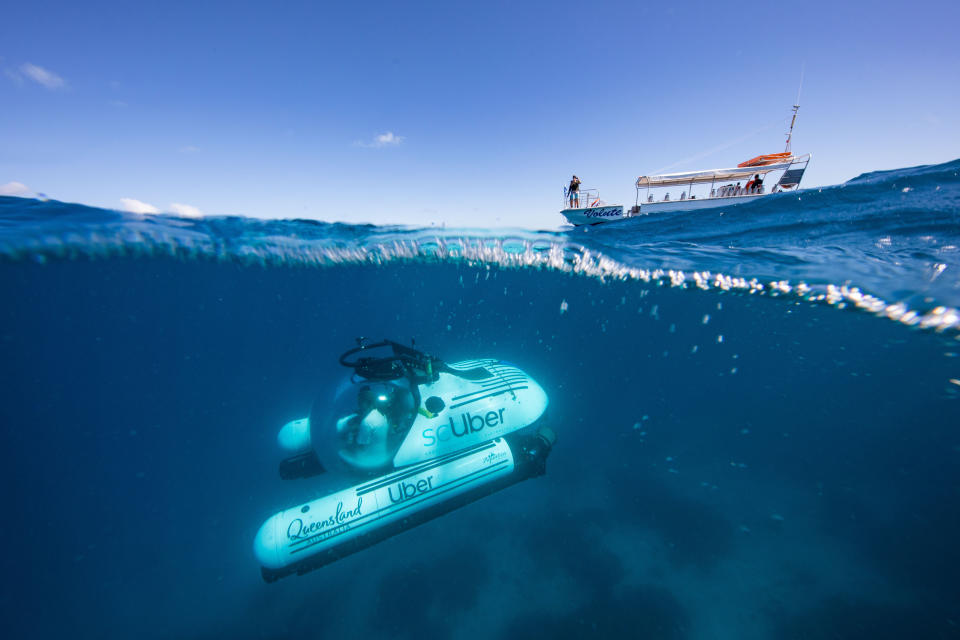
(754, 185)
(574, 192)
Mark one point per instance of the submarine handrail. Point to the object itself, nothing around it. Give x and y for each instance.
(406, 357)
(362, 347)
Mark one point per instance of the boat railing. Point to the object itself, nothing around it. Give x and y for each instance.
(721, 191)
(733, 190)
(582, 199)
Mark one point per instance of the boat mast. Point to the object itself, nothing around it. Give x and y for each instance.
(796, 108)
(793, 121)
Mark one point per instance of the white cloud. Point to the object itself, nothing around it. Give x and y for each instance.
(388, 139)
(42, 76)
(189, 149)
(185, 210)
(135, 206)
(14, 189)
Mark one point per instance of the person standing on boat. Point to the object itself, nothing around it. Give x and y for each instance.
(573, 192)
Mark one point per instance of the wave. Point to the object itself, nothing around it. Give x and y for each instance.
(886, 242)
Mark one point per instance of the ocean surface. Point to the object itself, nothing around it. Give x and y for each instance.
(758, 419)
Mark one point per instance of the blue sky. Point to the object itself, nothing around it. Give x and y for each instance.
(464, 114)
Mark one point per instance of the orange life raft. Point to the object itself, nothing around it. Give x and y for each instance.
(769, 158)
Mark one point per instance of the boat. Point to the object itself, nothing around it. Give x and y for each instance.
(412, 437)
(724, 190)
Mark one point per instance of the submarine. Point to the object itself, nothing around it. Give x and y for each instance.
(412, 437)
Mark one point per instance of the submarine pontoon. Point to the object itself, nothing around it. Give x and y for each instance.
(416, 437)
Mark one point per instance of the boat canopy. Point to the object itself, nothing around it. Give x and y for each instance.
(714, 175)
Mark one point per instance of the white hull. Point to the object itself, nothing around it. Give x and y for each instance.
(589, 216)
(316, 533)
(696, 204)
(295, 534)
(594, 215)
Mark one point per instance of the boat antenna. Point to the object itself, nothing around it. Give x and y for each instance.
(796, 108)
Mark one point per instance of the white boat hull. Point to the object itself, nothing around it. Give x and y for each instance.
(671, 206)
(594, 215)
(589, 216)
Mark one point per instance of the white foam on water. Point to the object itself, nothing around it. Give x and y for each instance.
(382, 246)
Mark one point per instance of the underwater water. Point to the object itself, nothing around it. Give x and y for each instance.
(758, 419)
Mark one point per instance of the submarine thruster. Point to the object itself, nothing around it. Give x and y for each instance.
(419, 436)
